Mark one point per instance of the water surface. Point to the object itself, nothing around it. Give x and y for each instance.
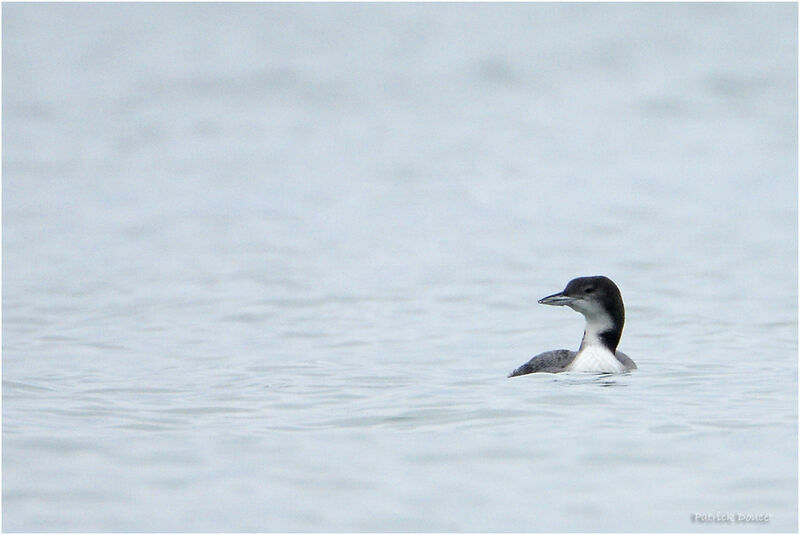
(266, 267)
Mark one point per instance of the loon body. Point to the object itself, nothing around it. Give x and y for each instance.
(600, 301)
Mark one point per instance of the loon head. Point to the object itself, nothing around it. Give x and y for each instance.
(600, 302)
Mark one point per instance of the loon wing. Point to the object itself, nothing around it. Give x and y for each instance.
(549, 362)
(626, 360)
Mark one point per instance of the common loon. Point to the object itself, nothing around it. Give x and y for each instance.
(599, 300)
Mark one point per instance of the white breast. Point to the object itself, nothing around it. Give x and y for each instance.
(596, 358)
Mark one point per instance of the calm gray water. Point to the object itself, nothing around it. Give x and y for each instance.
(266, 267)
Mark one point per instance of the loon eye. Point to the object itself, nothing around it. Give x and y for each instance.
(588, 290)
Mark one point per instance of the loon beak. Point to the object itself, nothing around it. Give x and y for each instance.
(558, 299)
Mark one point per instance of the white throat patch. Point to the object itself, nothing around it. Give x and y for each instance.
(593, 355)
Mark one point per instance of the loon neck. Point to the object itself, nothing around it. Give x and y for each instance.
(602, 333)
